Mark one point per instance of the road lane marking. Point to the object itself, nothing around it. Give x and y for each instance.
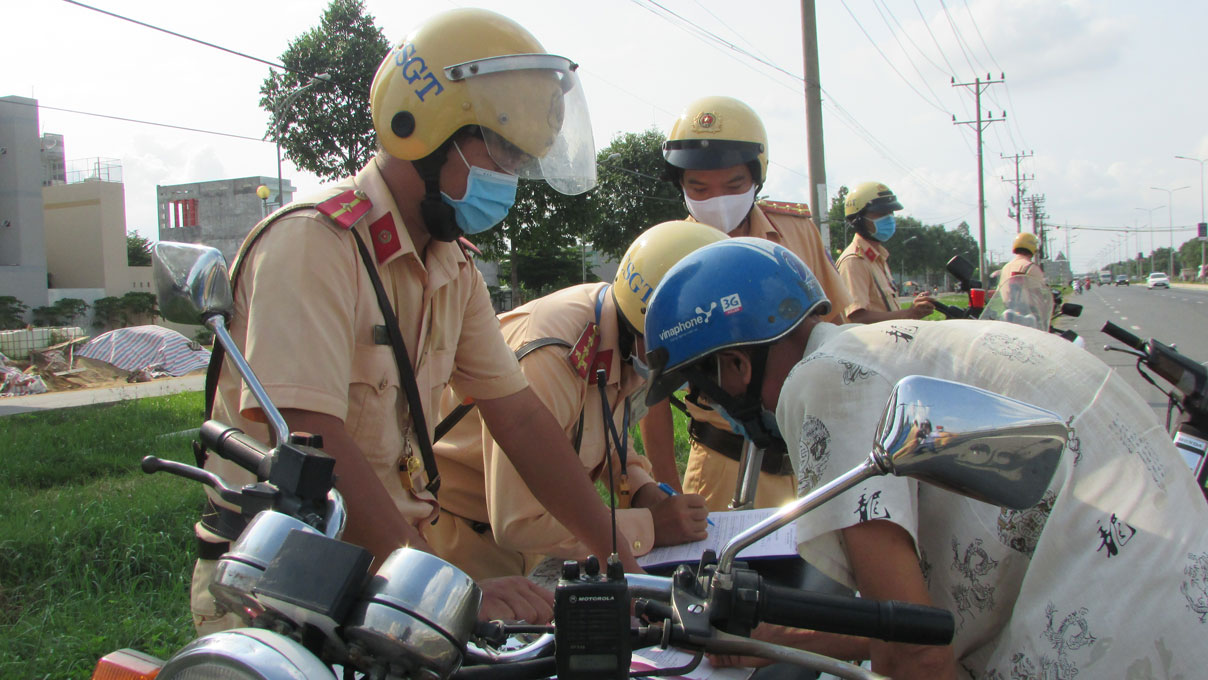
(1135, 328)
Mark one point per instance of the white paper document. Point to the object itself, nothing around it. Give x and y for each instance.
(727, 525)
(653, 657)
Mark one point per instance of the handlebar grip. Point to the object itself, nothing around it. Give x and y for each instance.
(1123, 336)
(889, 620)
(950, 311)
(232, 444)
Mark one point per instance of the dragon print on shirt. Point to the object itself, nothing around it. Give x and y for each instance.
(1141, 448)
(853, 372)
(1012, 348)
(972, 564)
(1020, 530)
(813, 454)
(1195, 586)
(1070, 634)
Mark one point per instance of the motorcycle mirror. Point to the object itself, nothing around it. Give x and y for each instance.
(191, 282)
(969, 441)
(1071, 309)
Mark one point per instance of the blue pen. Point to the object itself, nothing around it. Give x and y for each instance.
(666, 488)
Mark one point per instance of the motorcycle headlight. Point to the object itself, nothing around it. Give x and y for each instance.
(244, 654)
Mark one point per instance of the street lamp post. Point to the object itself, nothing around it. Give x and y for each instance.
(1149, 212)
(1170, 220)
(1203, 253)
(284, 104)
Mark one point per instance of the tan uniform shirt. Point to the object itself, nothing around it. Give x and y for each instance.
(709, 473)
(864, 267)
(479, 482)
(1021, 266)
(305, 311)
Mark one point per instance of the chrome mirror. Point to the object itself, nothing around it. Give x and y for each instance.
(191, 282)
(970, 441)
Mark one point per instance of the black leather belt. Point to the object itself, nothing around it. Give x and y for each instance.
(211, 551)
(730, 445)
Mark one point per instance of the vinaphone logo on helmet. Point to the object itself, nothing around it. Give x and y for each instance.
(729, 305)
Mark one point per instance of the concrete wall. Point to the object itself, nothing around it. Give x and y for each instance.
(226, 210)
(86, 236)
(22, 257)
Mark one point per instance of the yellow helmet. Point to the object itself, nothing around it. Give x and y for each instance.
(872, 197)
(1027, 242)
(476, 67)
(649, 257)
(717, 132)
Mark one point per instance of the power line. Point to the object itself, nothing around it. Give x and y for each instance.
(934, 105)
(927, 25)
(141, 122)
(959, 41)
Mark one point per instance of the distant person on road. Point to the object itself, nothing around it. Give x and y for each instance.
(1024, 247)
(864, 265)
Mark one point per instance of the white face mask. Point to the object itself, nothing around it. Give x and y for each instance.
(722, 212)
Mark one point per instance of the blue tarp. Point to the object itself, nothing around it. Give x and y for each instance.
(139, 347)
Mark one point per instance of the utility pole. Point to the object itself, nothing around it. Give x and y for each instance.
(981, 124)
(819, 203)
(1018, 181)
(1036, 213)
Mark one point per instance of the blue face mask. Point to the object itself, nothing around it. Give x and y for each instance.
(885, 227)
(489, 197)
(639, 367)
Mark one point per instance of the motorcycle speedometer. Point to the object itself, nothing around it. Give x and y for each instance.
(244, 654)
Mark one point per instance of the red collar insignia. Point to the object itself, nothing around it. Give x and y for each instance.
(582, 356)
(871, 254)
(603, 361)
(385, 238)
(346, 208)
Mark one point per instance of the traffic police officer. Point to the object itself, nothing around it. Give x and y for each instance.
(717, 154)
(490, 524)
(864, 264)
(464, 106)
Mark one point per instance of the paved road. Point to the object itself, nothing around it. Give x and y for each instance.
(100, 395)
(1176, 316)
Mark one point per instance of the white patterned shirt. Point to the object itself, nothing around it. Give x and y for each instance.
(1107, 576)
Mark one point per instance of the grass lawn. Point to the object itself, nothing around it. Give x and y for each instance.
(94, 554)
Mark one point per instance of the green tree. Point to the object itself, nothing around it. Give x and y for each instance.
(12, 313)
(107, 312)
(68, 310)
(138, 250)
(631, 197)
(327, 129)
(840, 233)
(45, 316)
(137, 307)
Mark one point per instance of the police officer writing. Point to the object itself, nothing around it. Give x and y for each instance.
(864, 264)
(491, 525)
(462, 110)
(717, 155)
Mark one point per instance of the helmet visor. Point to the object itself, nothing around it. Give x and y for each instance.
(534, 119)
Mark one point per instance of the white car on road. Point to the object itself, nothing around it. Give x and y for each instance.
(1157, 280)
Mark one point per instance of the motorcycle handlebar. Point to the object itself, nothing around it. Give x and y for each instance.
(885, 620)
(232, 444)
(950, 311)
(1123, 336)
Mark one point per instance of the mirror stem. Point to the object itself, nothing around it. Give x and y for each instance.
(794, 510)
(217, 324)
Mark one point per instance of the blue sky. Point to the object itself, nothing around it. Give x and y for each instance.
(1104, 93)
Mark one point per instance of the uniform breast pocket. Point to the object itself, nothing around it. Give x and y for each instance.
(373, 401)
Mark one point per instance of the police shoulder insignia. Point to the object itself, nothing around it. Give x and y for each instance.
(582, 356)
(785, 208)
(346, 208)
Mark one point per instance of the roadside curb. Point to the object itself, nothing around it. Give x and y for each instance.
(101, 395)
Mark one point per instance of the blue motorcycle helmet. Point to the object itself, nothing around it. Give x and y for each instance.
(741, 292)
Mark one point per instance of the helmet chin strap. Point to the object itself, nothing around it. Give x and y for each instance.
(439, 217)
(745, 408)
